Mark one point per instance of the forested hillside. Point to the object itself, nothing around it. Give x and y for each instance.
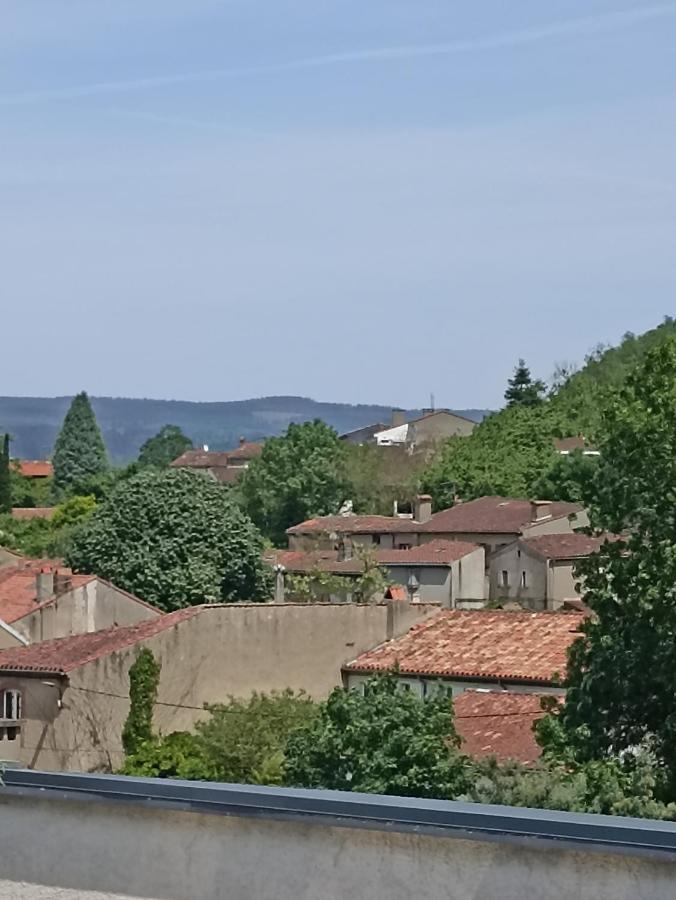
(127, 423)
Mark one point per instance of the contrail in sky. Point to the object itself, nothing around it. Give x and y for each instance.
(579, 26)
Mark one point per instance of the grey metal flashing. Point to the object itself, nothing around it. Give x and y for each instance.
(470, 821)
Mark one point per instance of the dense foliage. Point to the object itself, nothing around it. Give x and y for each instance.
(79, 451)
(622, 677)
(164, 447)
(242, 741)
(506, 455)
(377, 476)
(5, 483)
(372, 581)
(522, 389)
(144, 680)
(386, 741)
(297, 476)
(40, 537)
(175, 539)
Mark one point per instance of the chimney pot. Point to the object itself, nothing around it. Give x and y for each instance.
(44, 585)
(422, 508)
(242, 441)
(540, 510)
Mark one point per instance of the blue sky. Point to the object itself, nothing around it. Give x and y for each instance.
(353, 201)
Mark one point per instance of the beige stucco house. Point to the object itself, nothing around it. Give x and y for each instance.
(432, 426)
(450, 573)
(40, 601)
(225, 466)
(492, 522)
(539, 572)
(65, 701)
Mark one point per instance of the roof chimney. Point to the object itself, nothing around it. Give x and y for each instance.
(422, 508)
(44, 585)
(540, 510)
(205, 447)
(242, 441)
(398, 417)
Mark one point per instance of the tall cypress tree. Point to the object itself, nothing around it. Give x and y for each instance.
(79, 452)
(5, 484)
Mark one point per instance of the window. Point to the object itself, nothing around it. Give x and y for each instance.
(524, 581)
(10, 711)
(504, 578)
(403, 546)
(375, 539)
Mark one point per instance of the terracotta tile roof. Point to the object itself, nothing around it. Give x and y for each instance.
(246, 450)
(492, 514)
(35, 468)
(565, 546)
(33, 512)
(498, 723)
(569, 444)
(480, 644)
(18, 588)
(434, 553)
(355, 525)
(201, 459)
(62, 655)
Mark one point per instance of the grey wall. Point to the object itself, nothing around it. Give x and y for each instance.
(165, 854)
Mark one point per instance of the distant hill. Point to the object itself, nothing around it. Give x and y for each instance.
(127, 423)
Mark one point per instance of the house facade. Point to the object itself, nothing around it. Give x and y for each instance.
(539, 572)
(492, 522)
(432, 426)
(41, 601)
(450, 573)
(69, 698)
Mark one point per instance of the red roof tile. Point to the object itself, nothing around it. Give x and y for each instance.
(480, 644)
(569, 444)
(33, 512)
(355, 525)
(35, 468)
(434, 553)
(566, 546)
(60, 656)
(201, 459)
(246, 450)
(498, 723)
(18, 588)
(493, 514)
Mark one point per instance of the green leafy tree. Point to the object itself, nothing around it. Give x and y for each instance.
(506, 455)
(522, 390)
(175, 539)
(386, 741)
(79, 451)
(622, 675)
(569, 478)
(628, 787)
(242, 741)
(5, 483)
(166, 446)
(297, 476)
(144, 679)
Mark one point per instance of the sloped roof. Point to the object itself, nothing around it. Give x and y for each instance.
(498, 723)
(18, 588)
(492, 514)
(434, 553)
(355, 525)
(566, 546)
(481, 644)
(33, 512)
(246, 450)
(63, 655)
(35, 468)
(201, 459)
